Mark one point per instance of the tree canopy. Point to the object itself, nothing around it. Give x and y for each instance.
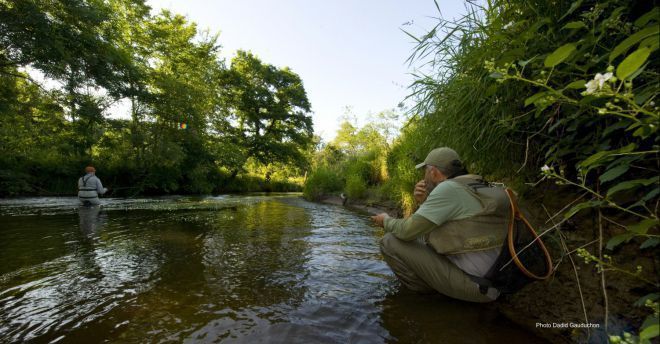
(269, 108)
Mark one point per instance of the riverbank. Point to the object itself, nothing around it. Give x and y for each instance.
(560, 310)
(363, 206)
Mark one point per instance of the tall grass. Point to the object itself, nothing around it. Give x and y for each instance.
(458, 105)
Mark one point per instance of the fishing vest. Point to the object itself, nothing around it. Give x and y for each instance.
(484, 231)
(87, 190)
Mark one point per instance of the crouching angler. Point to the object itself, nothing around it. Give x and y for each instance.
(90, 187)
(454, 240)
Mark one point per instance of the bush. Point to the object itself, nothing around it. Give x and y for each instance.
(358, 166)
(355, 187)
(321, 181)
(14, 183)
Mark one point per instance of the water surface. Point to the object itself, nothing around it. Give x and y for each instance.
(255, 268)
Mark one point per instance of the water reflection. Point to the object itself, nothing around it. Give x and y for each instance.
(90, 220)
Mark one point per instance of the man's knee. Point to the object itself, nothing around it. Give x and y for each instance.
(387, 243)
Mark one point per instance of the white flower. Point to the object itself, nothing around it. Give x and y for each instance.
(598, 82)
(545, 169)
(592, 87)
(601, 78)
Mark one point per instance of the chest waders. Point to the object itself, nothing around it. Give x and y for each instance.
(87, 193)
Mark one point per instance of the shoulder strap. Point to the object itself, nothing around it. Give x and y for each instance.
(85, 180)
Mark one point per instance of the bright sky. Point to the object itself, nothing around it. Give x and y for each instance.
(347, 52)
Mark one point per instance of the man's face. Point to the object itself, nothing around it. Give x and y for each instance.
(429, 178)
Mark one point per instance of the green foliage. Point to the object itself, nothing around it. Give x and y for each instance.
(355, 159)
(355, 187)
(358, 167)
(322, 181)
(619, 159)
(405, 153)
(271, 109)
(65, 40)
(529, 106)
(353, 140)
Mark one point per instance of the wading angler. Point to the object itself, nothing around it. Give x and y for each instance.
(90, 187)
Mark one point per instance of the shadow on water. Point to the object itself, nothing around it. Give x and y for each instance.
(414, 318)
(214, 269)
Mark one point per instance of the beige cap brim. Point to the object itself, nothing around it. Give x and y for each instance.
(418, 166)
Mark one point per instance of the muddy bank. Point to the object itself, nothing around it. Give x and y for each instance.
(560, 309)
(573, 297)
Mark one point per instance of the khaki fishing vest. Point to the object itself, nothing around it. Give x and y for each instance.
(483, 231)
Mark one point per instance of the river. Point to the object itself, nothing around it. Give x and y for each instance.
(231, 268)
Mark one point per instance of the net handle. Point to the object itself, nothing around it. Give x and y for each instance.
(516, 214)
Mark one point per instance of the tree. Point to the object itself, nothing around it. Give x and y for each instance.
(76, 42)
(183, 86)
(130, 22)
(354, 141)
(66, 40)
(269, 110)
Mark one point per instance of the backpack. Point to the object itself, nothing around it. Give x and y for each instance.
(522, 259)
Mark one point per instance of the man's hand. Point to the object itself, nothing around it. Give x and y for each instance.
(380, 219)
(420, 192)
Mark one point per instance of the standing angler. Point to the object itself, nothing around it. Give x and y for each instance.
(90, 187)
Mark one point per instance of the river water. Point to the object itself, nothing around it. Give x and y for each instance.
(235, 269)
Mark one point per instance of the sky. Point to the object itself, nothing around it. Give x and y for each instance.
(350, 54)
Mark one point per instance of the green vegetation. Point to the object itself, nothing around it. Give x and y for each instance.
(320, 182)
(354, 163)
(558, 95)
(195, 126)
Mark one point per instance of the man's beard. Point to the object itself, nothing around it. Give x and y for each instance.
(430, 185)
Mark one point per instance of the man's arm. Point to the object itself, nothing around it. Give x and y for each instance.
(405, 229)
(409, 228)
(99, 187)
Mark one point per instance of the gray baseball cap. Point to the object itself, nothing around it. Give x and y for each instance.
(440, 157)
